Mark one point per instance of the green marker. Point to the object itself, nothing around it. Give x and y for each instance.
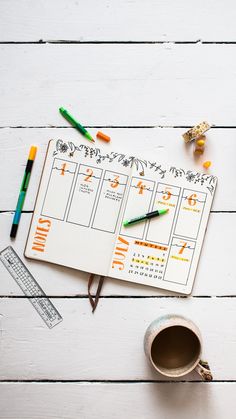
(145, 217)
(76, 124)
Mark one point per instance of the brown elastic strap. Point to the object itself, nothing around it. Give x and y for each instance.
(94, 301)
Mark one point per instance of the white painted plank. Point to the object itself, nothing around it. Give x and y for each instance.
(106, 401)
(152, 143)
(109, 344)
(118, 20)
(119, 85)
(215, 276)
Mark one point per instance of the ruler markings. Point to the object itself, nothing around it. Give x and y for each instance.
(30, 287)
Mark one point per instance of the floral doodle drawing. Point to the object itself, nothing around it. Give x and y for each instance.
(157, 168)
(195, 177)
(140, 164)
(123, 159)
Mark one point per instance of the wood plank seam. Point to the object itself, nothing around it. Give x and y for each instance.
(41, 41)
(113, 126)
(118, 381)
(85, 296)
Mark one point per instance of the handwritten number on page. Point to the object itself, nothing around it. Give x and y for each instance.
(90, 174)
(192, 199)
(167, 194)
(115, 182)
(141, 187)
(183, 247)
(63, 168)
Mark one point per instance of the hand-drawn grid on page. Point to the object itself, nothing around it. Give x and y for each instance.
(109, 203)
(166, 197)
(58, 189)
(190, 213)
(84, 195)
(138, 203)
(179, 261)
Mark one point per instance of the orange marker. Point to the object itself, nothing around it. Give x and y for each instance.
(103, 137)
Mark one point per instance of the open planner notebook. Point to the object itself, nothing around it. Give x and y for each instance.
(86, 193)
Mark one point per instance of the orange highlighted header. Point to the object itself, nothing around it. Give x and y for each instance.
(153, 246)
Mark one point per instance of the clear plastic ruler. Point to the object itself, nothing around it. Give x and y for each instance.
(30, 287)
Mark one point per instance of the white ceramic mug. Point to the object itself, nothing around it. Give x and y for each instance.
(173, 345)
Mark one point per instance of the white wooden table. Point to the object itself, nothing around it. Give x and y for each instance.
(142, 71)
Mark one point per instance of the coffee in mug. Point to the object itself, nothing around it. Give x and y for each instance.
(173, 345)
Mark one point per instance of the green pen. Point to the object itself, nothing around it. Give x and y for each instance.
(23, 190)
(145, 217)
(76, 124)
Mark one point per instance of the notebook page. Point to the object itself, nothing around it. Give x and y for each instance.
(164, 251)
(78, 206)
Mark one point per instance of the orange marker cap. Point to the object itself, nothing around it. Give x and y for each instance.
(103, 137)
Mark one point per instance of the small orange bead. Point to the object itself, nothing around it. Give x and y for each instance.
(199, 150)
(207, 164)
(200, 143)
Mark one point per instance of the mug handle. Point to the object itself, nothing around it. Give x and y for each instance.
(204, 371)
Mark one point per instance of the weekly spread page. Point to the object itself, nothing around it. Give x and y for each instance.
(163, 251)
(85, 195)
(78, 206)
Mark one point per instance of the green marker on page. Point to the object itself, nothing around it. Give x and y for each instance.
(145, 217)
(75, 124)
